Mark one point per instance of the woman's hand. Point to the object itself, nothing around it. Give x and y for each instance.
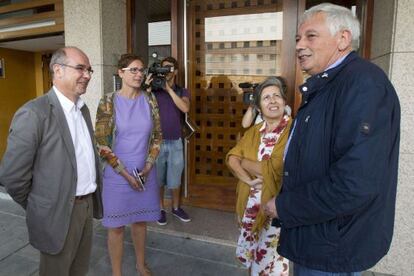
(242, 174)
(131, 180)
(270, 208)
(256, 183)
(145, 171)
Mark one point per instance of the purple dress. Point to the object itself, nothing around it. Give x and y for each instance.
(123, 205)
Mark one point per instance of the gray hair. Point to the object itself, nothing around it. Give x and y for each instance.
(60, 57)
(279, 82)
(338, 18)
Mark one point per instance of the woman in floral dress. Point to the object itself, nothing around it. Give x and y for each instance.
(257, 161)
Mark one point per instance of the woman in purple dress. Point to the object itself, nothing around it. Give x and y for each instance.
(128, 135)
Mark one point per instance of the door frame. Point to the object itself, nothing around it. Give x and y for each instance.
(292, 9)
(288, 63)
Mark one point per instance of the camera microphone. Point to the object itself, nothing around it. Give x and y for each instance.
(245, 85)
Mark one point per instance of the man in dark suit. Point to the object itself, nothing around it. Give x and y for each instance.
(337, 204)
(50, 168)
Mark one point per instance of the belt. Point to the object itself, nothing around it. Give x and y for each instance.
(82, 197)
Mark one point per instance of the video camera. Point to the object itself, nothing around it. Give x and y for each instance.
(249, 92)
(158, 74)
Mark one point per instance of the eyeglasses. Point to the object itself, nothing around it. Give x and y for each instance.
(135, 70)
(79, 68)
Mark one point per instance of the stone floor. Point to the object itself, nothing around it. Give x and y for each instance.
(204, 246)
(206, 225)
(169, 251)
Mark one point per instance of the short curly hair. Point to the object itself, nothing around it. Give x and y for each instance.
(277, 81)
(171, 60)
(127, 59)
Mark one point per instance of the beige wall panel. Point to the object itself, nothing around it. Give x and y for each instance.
(99, 29)
(404, 39)
(382, 28)
(398, 64)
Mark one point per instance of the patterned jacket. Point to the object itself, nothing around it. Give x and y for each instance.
(105, 130)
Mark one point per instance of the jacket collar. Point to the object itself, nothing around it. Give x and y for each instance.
(57, 111)
(316, 82)
(67, 104)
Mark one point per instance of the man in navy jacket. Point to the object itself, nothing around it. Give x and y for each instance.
(337, 203)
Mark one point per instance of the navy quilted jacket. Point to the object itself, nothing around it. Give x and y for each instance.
(338, 197)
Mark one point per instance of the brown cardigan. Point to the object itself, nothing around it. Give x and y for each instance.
(272, 169)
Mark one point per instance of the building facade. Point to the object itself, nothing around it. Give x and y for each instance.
(213, 61)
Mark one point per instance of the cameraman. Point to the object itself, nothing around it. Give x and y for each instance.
(173, 102)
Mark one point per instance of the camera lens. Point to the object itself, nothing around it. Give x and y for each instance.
(248, 97)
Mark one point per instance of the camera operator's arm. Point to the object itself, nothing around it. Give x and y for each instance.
(183, 103)
(249, 116)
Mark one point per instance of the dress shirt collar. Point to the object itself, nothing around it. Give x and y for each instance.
(336, 63)
(67, 104)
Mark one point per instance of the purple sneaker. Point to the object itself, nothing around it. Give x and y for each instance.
(163, 218)
(181, 214)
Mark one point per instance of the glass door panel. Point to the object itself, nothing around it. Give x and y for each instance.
(230, 42)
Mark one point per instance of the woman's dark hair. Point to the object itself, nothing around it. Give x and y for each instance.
(127, 59)
(278, 81)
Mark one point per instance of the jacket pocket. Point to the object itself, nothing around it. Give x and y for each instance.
(38, 207)
(38, 213)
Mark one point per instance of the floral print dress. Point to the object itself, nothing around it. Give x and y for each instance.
(257, 251)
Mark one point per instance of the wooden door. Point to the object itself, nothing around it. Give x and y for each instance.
(230, 42)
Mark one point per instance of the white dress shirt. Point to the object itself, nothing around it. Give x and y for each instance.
(85, 157)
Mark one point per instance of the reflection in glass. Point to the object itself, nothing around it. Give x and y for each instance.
(234, 42)
(256, 41)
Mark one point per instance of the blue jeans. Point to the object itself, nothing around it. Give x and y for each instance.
(170, 163)
(299, 270)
